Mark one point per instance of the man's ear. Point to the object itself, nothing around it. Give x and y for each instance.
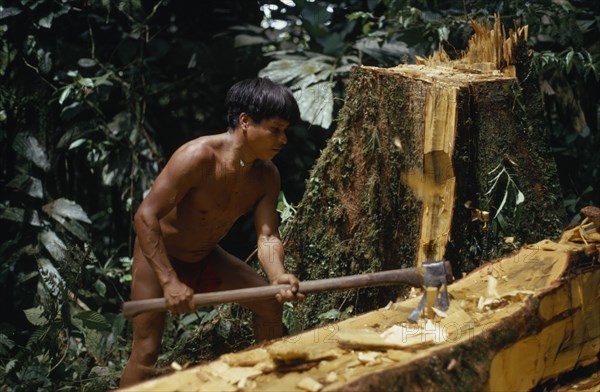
(244, 120)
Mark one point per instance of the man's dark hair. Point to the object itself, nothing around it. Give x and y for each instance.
(261, 99)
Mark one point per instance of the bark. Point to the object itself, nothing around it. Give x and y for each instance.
(408, 175)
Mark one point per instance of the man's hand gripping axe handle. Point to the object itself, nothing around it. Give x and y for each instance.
(419, 277)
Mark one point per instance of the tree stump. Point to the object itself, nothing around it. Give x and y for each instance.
(438, 160)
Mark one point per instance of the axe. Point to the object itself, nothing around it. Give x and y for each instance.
(433, 274)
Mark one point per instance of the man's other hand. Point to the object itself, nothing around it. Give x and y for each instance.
(179, 297)
(292, 294)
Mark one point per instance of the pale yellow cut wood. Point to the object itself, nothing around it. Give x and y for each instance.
(435, 186)
(566, 302)
(561, 345)
(246, 358)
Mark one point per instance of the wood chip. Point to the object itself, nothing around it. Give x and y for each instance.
(414, 336)
(369, 356)
(309, 384)
(246, 358)
(331, 377)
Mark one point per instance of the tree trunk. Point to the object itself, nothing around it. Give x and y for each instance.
(443, 159)
(512, 324)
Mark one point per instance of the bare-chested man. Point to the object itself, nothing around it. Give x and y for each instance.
(205, 187)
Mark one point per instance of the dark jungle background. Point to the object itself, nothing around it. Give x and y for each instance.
(95, 95)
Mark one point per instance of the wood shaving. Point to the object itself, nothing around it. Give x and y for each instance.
(331, 377)
(369, 356)
(309, 384)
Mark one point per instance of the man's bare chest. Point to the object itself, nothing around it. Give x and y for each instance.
(229, 197)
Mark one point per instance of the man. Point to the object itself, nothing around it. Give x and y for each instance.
(204, 188)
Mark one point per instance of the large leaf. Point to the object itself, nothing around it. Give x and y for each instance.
(36, 316)
(51, 277)
(54, 245)
(307, 79)
(29, 147)
(386, 53)
(21, 215)
(301, 72)
(316, 104)
(8, 12)
(93, 320)
(65, 208)
(248, 40)
(30, 185)
(282, 71)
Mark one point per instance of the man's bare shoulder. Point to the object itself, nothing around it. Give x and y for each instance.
(202, 150)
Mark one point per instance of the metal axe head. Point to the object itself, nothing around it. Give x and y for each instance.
(436, 274)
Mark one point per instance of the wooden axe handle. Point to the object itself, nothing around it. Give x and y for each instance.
(411, 276)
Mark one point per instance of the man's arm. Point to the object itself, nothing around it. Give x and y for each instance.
(270, 248)
(173, 183)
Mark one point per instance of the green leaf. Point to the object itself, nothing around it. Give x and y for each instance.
(5, 341)
(29, 147)
(28, 184)
(86, 82)
(286, 210)
(316, 104)
(76, 229)
(242, 40)
(224, 328)
(54, 245)
(366, 28)
(51, 278)
(86, 62)
(209, 316)
(46, 21)
(8, 12)
(20, 215)
(10, 366)
(520, 197)
(290, 320)
(192, 318)
(65, 208)
(65, 94)
(502, 202)
(282, 71)
(100, 288)
(569, 60)
(76, 143)
(332, 314)
(93, 320)
(36, 316)
(502, 222)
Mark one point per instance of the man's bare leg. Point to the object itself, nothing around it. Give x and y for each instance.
(235, 274)
(147, 327)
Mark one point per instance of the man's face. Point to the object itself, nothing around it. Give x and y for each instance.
(266, 138)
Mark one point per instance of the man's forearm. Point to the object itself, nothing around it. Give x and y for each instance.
(153, 247)
(271, 256)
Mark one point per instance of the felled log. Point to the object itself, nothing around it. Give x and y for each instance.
(438, 160)
(513, 323)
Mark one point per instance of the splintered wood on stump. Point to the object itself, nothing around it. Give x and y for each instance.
(436, 160)
(512, 324)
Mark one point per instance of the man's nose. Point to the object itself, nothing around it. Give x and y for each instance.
(283, 138)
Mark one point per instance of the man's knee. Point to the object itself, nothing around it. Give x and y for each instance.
(145, 350)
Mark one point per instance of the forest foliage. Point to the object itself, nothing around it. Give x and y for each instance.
(96, 95)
